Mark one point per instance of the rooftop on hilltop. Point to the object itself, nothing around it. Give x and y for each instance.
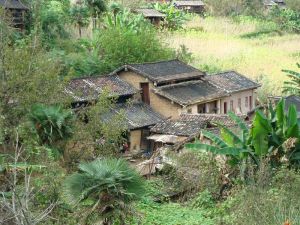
(191, 92)
(13, 4)
(164, 71)
(232, 81)
(89, 88)
(137, 115)
(150, 13)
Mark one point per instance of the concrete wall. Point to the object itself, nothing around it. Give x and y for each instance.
(220, 104)
(240, 95)
(160, 104)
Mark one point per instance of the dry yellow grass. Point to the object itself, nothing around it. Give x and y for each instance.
(216, 44)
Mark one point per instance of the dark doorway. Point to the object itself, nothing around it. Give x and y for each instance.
(250, 102)
(145, 93)
(225, 107)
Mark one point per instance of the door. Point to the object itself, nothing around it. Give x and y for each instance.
(225, 107)
(250, 102)
(145, 93)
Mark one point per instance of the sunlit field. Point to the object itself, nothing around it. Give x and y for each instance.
(249, 47)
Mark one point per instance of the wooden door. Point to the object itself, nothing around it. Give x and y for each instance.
(145, 93)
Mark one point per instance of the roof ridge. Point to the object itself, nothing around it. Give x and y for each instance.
(88, 77)
(153, 62)
(184, 83)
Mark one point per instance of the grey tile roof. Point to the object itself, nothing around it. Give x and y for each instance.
(192, 124)
(164, 71)
(136, 115)
(189, 3)
(150, 13)
(232, 81)
(13, 4)
(191, 92)
(89, 88)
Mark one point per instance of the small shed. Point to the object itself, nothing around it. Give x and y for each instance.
(192, 6)
(16, 10)
(153, 15)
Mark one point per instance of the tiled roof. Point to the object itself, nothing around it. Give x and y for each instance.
(192, 124)
(164, 71)
(136, 115)
(191, 92)
(150, 13)
(232, 81)
(189, 3)
(13, 4)
(89, 88)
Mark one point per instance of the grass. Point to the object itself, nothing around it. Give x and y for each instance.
(255, 49)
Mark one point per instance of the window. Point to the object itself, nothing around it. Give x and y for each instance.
(201, 108)
(189, 111)
(240, 104)
(250, 102)
(231, 105)
(225, 107)
(246, 102)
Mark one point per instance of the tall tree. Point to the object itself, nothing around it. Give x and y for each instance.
(97, 7)
(79, 14)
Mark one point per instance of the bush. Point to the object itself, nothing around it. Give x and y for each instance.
(117, 47)
(268, 200)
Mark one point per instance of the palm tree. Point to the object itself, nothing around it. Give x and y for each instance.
(111, 184)
(292, 86)
(51, 123)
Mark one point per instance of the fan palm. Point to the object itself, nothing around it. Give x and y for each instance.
(292, 86)
(111, 184)
(51, 123)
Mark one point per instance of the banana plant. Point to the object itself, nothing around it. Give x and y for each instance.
(235, 146)
(274, 135)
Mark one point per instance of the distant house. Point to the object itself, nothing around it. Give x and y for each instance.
(289, 100)
(138, 116)
(154, 16)
(173, 87)
(271, 3)
(192, 6)
(241, 90)
(16, 10)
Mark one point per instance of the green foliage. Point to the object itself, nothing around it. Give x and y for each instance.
(204, 200)
(293, 85)
(53, 16)
(51, 123)
(235, 7)
(126, 21)
(274, 135)
(171, 214)
(276, 202)
(174, 18)
(129, 47)
(287, 19)
(110, 184)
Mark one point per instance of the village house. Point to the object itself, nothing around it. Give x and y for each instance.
(138, 116)
(173, 87)
(191, 6)
(154, 16)
(17, 10)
